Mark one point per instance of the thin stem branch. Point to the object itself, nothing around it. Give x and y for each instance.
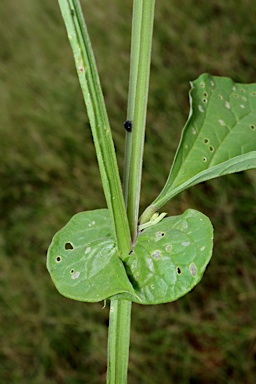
(93, 97)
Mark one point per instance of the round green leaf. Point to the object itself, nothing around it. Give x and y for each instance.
(83, 260)
(169, 258)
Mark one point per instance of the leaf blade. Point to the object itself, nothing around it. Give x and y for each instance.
(221, 127)
(83, 259)
(169, 258)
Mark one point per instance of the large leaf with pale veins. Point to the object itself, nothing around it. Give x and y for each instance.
(83, 259)
(169, 258)
(219, 136)
(167, 261)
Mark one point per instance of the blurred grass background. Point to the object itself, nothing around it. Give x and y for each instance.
(49, 172)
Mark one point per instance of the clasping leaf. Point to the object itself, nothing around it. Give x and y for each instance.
(169, 258)
(83, 259)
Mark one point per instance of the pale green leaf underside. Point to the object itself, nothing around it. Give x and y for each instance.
(219, 136)
(83, 261)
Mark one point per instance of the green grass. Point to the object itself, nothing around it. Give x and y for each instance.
(49, 172)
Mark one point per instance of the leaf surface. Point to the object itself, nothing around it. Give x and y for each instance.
(167, 261)
(83, 260)
(169, 258)
(219, 136)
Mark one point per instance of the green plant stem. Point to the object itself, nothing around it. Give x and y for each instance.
(134, 64)
(137, 105)
(118, 341)
(120, 310)
(93, 97)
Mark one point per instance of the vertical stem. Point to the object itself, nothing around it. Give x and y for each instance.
(120, 310)
(118, 341)
(137, 106)
(134, 64)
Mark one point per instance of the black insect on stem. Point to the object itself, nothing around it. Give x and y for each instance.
(128, 125)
